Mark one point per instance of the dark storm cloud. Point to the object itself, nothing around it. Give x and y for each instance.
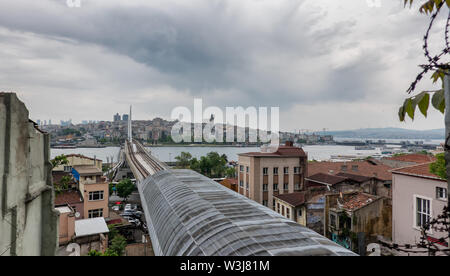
(209, 46)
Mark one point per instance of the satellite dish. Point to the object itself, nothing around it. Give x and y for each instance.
(77, 214)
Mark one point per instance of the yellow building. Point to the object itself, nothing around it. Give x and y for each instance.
(292, 206)
(77, 160)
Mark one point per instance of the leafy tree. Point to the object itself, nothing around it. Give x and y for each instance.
(230, 172)
(183, 160)
(438, 167)
(125, 188)
(118, 245)
(59, 160)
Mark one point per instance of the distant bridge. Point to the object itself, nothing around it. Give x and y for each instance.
(189, 214)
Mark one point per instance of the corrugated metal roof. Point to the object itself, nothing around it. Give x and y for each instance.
(188, 214)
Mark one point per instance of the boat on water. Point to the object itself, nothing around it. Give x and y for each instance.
(364, 148)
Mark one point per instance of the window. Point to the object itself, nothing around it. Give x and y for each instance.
(285, 186)
(275, 171)
(95, 213)
(300, 212)
(246, 185)
(275, 187)
(67, 168)
(265, 203)
(423, 211)
(265, 171)
(273, 204)
(241, 183)
(343, 167)
(441, 193)
(288, 213)
(332, 220)
(355, 168)
(278, 207)
(265, 187)
(297, 186)
(93, 196)
(286, 170)
(282, 210)
(241, 168)
(296, 170)
(247, 169)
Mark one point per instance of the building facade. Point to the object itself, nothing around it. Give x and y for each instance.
(292, 206)
(262, 175)
(417, 196)
(94, 189)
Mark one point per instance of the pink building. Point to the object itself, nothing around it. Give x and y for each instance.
(417, 196)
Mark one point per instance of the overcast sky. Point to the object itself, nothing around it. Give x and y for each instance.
(325, 63)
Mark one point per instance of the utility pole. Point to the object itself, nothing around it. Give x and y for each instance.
(447, 135)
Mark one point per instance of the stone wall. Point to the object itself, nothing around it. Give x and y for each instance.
(28, 221)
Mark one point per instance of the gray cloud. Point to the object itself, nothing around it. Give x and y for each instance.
(274, 53)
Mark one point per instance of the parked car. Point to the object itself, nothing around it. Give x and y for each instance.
(116, 208)
(127, 207)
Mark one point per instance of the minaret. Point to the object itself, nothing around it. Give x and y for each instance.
(129, 127)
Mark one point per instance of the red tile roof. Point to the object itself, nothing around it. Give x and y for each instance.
(414, 158)
(355, 177)
(364, 168)
(326, 178)
(68, 197)
(357, 201)
(232, 181)
(421, 170)
(294, 199)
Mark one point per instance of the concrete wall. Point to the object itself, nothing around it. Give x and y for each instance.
(28, 221)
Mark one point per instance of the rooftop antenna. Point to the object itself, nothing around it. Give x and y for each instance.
(129, 127)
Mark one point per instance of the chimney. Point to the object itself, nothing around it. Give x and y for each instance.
(289, 144)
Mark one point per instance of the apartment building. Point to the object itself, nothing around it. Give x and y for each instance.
(417, 197)
(261, 175)
(94, 190)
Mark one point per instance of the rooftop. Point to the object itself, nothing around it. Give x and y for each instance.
(293, 199)
(363, 168)
(89, 227)
(325, 178)
(413, 158)
(355, 177)
(63, 209)
(287, 150)
(68, 197)
(420, 170)
(357, 200)
(82, 156)
(84, 170)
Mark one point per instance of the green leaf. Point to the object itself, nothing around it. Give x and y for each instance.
(401, 114)
(410, 107)
(423, 101)
(438, 101)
